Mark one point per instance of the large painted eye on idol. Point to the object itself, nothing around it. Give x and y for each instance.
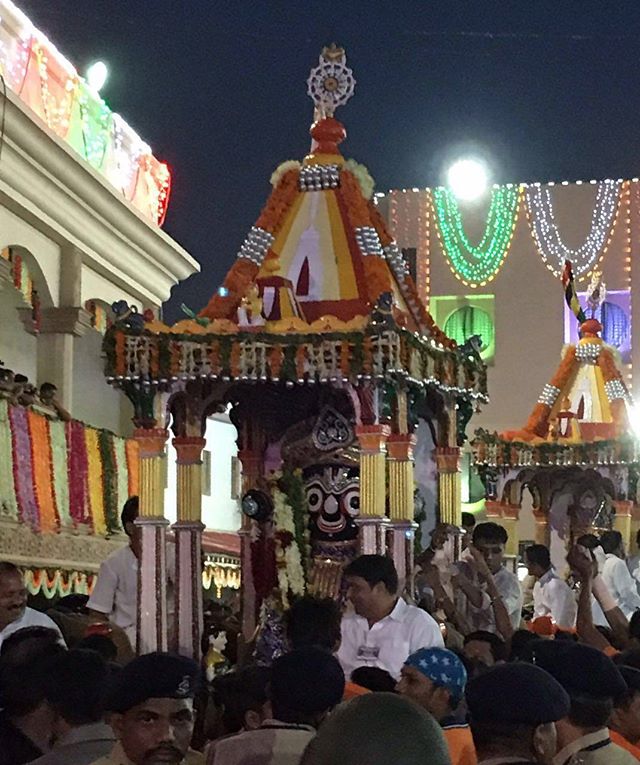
(257, 505)
(351, 502)
(315, 498)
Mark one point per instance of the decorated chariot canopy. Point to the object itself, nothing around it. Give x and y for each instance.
(319, 291)
(577, 438)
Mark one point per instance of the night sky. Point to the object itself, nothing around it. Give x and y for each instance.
(546, 91)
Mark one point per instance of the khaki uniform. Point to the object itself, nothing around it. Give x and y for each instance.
(594, 749)
(118, 757)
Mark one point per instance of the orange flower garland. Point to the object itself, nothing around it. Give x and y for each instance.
(42, 474)
(538, 422)
(301, 358)
(241, 276)
(377, 277)
(275, 361)
(378, 222)
(133, 466)
(357, 206)
(279, 202)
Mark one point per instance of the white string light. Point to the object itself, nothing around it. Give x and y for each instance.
(545, 232)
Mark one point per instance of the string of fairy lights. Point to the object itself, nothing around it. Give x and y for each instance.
(476, 265)
(436, 212)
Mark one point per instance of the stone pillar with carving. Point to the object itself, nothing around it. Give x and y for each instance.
(152, 571)
(251, 461)
(449, 484)
(401, 530)
(373, 488)
(188, 535)
(623, 519)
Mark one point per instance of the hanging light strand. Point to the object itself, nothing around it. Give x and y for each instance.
(552, 249)
(476, 265)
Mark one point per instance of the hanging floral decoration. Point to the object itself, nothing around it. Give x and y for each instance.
(59, 583)
(58, 475)
(546, 235)
(291, 576)
(476, 265)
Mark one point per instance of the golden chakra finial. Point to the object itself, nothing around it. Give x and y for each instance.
(331, 83)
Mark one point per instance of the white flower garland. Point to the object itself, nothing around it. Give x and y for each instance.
(288, 559)
(283, 167)
(363, 176)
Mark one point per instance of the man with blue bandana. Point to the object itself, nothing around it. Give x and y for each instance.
(435, 679)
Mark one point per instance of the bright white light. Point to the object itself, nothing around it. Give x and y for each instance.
(468, 178)
(634, 419)
(97, 75)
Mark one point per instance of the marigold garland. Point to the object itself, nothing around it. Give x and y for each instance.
(95, 478)
(279, 202)
(109, 483)
(59, 585)
(122, 475)
(356, 205)
(377, 277)
(42, 471)
(133, 467)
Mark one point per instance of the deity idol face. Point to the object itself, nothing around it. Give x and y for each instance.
(333, 495)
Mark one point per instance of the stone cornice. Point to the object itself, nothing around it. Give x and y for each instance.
(43, 181)
(66, 320)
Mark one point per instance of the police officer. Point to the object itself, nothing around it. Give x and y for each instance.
(513, 709)
(593, 682)
(152, 712)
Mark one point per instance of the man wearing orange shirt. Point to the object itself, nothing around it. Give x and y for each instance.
(624, 723)
(435, 679)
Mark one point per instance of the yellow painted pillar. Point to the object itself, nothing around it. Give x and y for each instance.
(373, 488)
(449, 485)
(152, 525)
(188, 534)
(622, 522)
(402, 527)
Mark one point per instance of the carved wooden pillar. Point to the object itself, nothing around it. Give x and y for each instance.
(188, 533)
(152, 571)
(401, 531)
(449, 484)
(373, 488)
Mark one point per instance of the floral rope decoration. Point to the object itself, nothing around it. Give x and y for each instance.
(476, 265)
(110, 481)
(8, 504)
(60, 470)
(42, 471)
(22, 467)
(544, 229)
(133, 467)
(293, 486)
(78, 468)
(59, 585)
(291, 578)
(95, 478)
(122, 474)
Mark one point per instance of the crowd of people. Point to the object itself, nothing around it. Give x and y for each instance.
(18, 390)
(476, 668)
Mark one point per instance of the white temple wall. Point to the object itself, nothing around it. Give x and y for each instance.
(220, 508)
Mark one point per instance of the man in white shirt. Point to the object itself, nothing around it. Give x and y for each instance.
(115, 595)
(552, 596)
(486, 589)
(384, 630)
(616, 576)
(14, 613)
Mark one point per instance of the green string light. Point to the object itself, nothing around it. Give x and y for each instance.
(476, 265)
